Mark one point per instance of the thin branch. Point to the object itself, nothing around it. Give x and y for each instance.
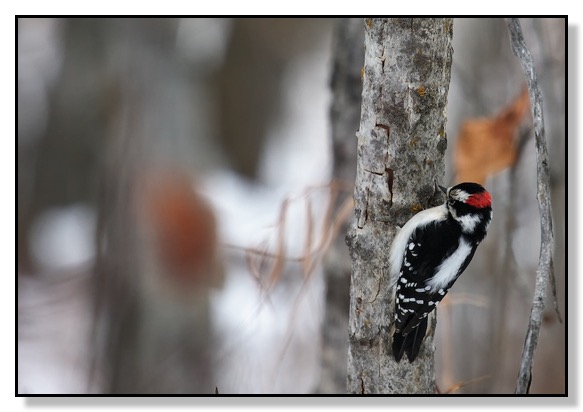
(460, 385)
(544, 272)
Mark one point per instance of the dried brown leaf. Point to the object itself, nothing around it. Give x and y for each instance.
(487, 146)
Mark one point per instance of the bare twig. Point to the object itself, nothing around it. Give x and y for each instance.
(544, 273)
(464, 299)
(445, 311)
(460, 385)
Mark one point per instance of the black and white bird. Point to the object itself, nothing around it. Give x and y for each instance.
(427, 256)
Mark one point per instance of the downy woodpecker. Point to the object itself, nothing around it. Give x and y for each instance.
(427, 256)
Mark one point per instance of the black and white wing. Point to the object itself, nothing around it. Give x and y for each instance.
(434, 256)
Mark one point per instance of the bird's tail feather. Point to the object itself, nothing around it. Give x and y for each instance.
(410, 343)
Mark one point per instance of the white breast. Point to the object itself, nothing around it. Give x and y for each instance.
(448, 270)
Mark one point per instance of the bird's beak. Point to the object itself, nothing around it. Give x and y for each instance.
(443, 189)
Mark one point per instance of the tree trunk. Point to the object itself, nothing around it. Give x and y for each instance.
(401, 146)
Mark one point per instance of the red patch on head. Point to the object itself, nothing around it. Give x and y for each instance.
(480, 200)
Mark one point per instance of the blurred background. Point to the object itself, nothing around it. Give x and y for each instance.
(184, 186)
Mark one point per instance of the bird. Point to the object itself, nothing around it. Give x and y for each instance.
(427, 256)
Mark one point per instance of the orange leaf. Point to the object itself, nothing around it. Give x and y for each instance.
(487, 146)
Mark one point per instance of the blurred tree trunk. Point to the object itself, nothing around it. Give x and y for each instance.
(150, 337)
(345, 115)
(401, 146)
(68, 87)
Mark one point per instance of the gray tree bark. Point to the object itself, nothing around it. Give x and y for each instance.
(401, 146)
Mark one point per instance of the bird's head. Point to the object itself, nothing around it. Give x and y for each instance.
(470, 205)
